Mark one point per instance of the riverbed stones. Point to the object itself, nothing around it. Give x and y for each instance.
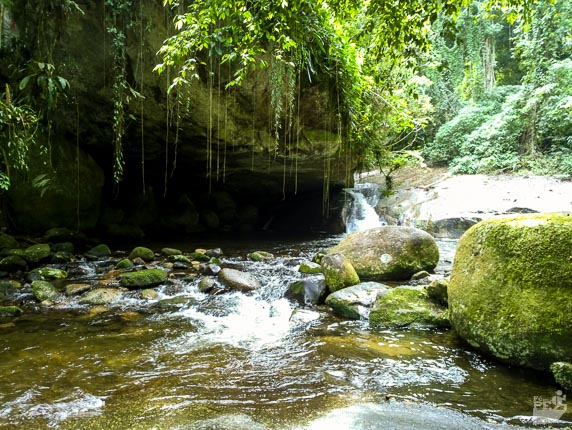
(510, 293)
(170, 251)
(149, 294)
(406, 306)
(389, 253)
(36, 253)
(47, 274)
(355, 302)
(13, 263)
(261, 256)
(76, 289)
(7, 241)
(562, 372)
(237, 280)
(339, 272)
(100, 296)
(143, 253)
(43, 290)
(10, 311)
(99, 251)
(141, 279)
(309, 291)
(437, 291)
(124, 263)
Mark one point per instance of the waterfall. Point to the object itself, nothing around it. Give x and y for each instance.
(359, 213)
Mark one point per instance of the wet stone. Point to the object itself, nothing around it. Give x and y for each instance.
(76, 289)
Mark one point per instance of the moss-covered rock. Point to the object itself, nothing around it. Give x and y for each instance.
(76, 289)
(7, 241)
(389, 252)
(8, 288)
(63, 247)
(143, 278)
(10, 311)
(355, 302)
(100, 296)
(47, 274)
(197, 256)
(125, 263)
(406, 306)
(143, 253)
(99, 251)
(260, 256)
(339, 272)
(13, 263)
(510, 293)
(170, 251)
(36, 253)
(43, 290)
(437, 291)
(59, 234)
(562, 374)
(309, 267)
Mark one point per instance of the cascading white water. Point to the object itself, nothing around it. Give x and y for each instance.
(359, 213)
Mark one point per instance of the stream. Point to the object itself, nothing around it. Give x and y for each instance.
(189, 360)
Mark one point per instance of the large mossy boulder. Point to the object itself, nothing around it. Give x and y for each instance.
(143, 253)
(407, 306)
(510, 293)
(339, 272)
(36, 253)
(143, 278)
(355, 302)
(389, 253)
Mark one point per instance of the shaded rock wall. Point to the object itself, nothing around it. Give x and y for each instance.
(175, 151)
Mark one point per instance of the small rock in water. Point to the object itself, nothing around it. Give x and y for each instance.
(206, 284)
(420, 275)
(100, 296)
(309, 267)
(125, 263)
(149, 294)
(237, 280)
(143, 253)
(260, 256)
(216, 252)
(170, 251)
(43, 290)
(212, 269)
(143, 278)
(437, 291)
(36, 253)
(99, 251)
(75, 289)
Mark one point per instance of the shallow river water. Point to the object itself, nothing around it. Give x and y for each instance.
(259, 361)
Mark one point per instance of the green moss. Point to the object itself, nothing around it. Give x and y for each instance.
(125, 263)
(48, 274)
(198, 256)
(339, 272)
(170, 251)
(562, 374)
(402, 307)
(10, 311)
(37, 253)
(13, 263)
(510, 293)
(260, 256)
(143, 253)
(43, 290)
(99, 251)
(7, 241)
(310, 268)
(143, 278)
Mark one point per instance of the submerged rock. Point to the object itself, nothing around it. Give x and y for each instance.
(339, 272)
(100, 296)
(510, 293)
(406, 306)
(227, 422)
(310, 291)
(143, 253)
(76, 289)
(562, 374)
(355, 302)
(44, 290)
(237, 280)
(10, 311)
(143, 279)
(389, 252)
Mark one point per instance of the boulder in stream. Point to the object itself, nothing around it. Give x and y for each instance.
(309, 291)
(100, 296)
(237, 280)
(389, 253)
(10, 311)
(36, 253)
(13, 263)
(355, 302)
(143, 278)
(99, 251)
(339, 272)
(143, 253)
(44, 290)
(510, 293)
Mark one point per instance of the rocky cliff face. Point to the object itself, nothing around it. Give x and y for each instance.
(181, 150)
